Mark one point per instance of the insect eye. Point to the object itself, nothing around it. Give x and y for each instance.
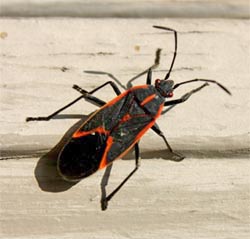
(170, 94)
(157, 81)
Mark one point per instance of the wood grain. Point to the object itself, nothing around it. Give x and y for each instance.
(204, 196)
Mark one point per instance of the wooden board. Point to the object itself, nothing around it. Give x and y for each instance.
(204, 196)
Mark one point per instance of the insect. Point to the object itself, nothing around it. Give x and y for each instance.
(118, 125)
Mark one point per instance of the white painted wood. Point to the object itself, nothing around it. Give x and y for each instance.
(204, 196)
(33, 82)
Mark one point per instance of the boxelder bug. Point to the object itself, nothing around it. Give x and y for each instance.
(110, 132)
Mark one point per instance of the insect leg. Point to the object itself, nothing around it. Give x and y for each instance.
(109, 75)
(129, 84)
(113, 85)
(104, 200)
(104, 183)
(157, 130)
(92, 99)
(56, 112)
(172, 103)
(85, 94)
(88, 97)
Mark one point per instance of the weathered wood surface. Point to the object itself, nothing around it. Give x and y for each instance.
(205, 196)
(42, 59)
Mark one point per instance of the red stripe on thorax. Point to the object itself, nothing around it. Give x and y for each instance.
(148, 99)
(99, 130)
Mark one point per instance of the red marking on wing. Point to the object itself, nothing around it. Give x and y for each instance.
(79, 133)
(99, 130)
(103, 162)
(137, 138)
(143, 131)
(126, 118)
(148, 99)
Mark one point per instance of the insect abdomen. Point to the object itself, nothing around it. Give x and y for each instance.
(81, 156)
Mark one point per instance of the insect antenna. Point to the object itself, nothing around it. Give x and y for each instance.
(206, 80)
(175, 48)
